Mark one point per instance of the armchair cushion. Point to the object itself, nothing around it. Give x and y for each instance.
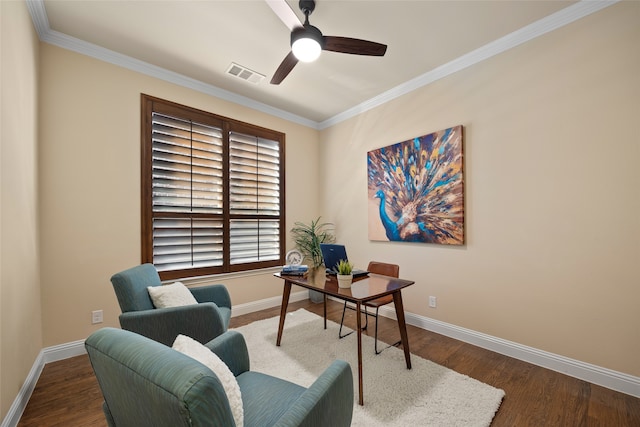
(202, 354)
(174, 295)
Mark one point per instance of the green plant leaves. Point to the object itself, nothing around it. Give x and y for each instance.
(344, 267)
(308, 237)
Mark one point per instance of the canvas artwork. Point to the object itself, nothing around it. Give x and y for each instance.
(415, 190)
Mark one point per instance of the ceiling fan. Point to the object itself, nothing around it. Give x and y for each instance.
(307, 41)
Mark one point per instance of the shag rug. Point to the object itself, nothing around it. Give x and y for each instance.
(426, 395)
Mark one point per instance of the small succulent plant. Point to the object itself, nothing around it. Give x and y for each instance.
(344, 267)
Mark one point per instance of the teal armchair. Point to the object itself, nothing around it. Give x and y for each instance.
(203, 321)
(145, 383)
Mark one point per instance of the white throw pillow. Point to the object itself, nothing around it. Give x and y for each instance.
(173, 295)
(202, 354)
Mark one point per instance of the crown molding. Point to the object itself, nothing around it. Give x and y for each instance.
(552, 22)
(56, 38)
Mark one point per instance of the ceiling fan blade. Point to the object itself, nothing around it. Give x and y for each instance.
(284, 69)
(285, 13)
(354, 46)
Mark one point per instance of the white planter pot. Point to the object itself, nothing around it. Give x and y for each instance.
(344, 280)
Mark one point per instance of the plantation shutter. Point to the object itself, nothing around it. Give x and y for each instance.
(254, 172)
(187, 178)
(214, 194)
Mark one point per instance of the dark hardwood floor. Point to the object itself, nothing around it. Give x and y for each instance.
(67, 393)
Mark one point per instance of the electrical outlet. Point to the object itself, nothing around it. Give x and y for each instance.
(96, 316)
(432, 302)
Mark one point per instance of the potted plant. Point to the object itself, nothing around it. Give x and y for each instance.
(307, 238)
(345, 276)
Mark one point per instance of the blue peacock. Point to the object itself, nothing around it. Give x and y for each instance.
(420, 188)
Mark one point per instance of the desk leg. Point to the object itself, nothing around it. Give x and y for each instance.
(283, 309)
(359, 329)
(325, 310)
(397, 301)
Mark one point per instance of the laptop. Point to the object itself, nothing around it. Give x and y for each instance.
(332, 254)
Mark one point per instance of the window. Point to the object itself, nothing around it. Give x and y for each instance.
(212, 192)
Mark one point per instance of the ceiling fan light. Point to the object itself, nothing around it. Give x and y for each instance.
(306, 49)
(306, 43)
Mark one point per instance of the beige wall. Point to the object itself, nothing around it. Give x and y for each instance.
(90, 196)
(552, 191)
(20, 311)
(552, 185)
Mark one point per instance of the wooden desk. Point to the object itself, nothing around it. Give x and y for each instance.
(363, 289)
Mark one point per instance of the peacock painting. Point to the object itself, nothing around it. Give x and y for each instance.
(416, 191)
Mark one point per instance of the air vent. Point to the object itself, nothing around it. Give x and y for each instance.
(244, 73)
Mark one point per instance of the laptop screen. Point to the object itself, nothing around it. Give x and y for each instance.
(332, 254)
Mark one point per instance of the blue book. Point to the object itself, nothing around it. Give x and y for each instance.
(297, 269)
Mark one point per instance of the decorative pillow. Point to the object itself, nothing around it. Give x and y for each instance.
(202, 354)
(173, 295)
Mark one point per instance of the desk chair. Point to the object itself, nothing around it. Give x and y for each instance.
(385, 269)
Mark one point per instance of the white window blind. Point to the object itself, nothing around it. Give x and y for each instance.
(254, 177)
(215, 196)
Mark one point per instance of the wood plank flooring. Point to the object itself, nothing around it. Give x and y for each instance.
(67, 393)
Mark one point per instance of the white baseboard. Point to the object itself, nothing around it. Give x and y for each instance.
(63, 351)
(608, 378)
(46, 355)
(604, 377)
(76, 348)
(20, 402)
(240, 309)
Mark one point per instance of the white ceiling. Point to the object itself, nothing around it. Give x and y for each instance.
(200, 39)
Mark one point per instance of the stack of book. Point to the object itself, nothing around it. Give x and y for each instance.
(294, 270)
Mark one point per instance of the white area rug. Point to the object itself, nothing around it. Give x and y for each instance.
(426, 395)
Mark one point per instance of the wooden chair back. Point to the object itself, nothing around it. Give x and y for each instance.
(386, 269)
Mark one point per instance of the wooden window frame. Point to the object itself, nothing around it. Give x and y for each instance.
(149, 105)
